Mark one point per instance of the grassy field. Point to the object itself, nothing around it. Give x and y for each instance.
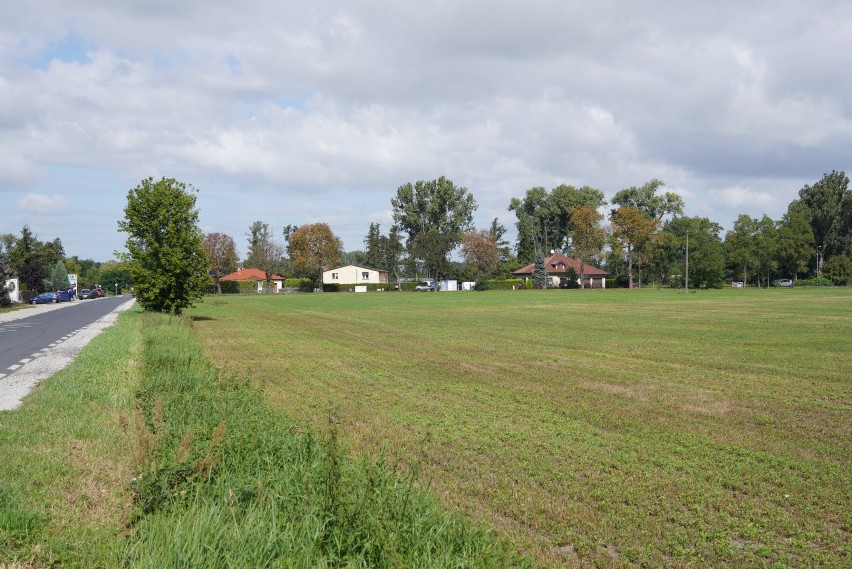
(609, 427)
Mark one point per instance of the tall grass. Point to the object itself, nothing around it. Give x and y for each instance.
(231, 483)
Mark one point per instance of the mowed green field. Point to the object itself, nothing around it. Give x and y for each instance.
(608, 426)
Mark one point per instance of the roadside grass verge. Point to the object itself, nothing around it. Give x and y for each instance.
(142, 454)
(66, 467)
(590, 427)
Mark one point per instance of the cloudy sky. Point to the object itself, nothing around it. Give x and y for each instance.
(297, 112)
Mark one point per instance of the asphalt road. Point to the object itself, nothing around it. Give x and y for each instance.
(24, 339)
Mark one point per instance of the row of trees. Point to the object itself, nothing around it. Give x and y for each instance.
(41, 265)
(644, 237)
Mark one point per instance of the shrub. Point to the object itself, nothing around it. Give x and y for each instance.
(505, 284)
(299, 283)
(839, 270)
(818, 281)
(480, 285)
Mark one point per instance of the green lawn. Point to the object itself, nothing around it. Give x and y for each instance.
(605, 426)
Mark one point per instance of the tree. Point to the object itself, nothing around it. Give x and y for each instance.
(58, 278)
(839, 269)
(313, 247)
(539, 276)
(706, 253)
(165, 256)
(544, 217)
(265, 253)
(646, 200)
(741, 246)
(795, 239)
(115, 274)
(823, 203)
(372, 242)
(33, 275)
(636, 233)
(435, 214)
(221, 251)
(588, 236)
(480, 250)
(24, 249)
(766, 249)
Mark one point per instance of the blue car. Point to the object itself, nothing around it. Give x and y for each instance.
(45, 298)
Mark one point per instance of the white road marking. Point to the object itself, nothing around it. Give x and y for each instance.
(26, 360)
(13, 367)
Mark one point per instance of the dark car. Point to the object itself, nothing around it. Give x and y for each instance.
(45, 298)
(85, 293)
(96, 293)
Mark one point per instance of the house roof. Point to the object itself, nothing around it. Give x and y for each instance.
(557, 263)
(249, 275)
(357, 267)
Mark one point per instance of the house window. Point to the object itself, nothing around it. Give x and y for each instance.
(334, 276)
(365, 275)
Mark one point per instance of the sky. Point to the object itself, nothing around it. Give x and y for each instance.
(301, 112)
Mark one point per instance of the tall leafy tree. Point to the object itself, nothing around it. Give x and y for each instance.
(648, 201)
(265, 253)
(588, 236)
(434, 214)
(313, 248)
(741, 246)
(372, 244)
(766, 249)
(636, 233)
(221, 251)
(165, 257)
(795, 240)
(544, 218)
(823, 203)
(706, 253)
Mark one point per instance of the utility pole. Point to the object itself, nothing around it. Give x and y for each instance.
(686, 272)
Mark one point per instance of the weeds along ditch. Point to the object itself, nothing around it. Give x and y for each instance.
(232, 483)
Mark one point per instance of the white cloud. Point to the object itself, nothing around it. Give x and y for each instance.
(42, 205)
(280, 108)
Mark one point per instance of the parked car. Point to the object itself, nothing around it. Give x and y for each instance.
(96, 293)
(85, 293)
(785, 282)
(45, 298)
(63, 295)
(424, 286)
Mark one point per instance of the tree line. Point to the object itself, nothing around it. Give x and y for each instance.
(645, 238)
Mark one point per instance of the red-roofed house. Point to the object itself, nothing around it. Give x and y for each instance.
(255, 275)
(557, 264)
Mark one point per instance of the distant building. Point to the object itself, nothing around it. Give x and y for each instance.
(354, 274)
(557, 264)
(255, 275)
